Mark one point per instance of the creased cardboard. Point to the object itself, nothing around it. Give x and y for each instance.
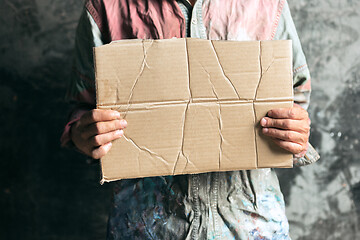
(192, 105)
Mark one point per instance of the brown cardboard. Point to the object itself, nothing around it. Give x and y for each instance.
(192, 105)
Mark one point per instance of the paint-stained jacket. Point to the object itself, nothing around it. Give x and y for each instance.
(228, 205)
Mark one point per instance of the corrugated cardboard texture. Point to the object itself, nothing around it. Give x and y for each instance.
(192, 105)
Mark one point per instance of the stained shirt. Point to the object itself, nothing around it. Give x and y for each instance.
(245, 204)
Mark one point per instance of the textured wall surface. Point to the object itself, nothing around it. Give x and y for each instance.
(50, 193)
(323, 200)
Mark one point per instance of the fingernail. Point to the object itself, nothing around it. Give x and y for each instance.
(263, 122)
(123, 123)
(119, 132)
(116, 114)
(108, 146)
(265, 130)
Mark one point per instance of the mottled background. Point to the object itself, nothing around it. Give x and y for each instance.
(50, 193)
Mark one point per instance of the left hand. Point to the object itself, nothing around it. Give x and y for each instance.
(289, 128)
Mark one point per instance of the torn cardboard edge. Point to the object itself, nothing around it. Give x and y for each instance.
(201, 77)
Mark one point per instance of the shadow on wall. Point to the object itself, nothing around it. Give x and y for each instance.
(46, 192)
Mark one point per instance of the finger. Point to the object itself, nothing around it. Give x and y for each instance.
(288, 113)
(297, 105)
(286, 135)
(301, 126)
(294, 148)
(103, 127)
(99, 152)
(99, 115)
(102, 139)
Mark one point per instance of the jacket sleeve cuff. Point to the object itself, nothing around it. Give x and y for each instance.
(65, 139)
(310, 157)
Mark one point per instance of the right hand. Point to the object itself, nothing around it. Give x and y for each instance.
(95, 130)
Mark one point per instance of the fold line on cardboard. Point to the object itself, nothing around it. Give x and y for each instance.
(142, 68)
(145, 149)
(196, 101)
(222, 70)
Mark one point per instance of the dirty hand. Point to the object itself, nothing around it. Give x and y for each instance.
(95, 130)
(289, 128)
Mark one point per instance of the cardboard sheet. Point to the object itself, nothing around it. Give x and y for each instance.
(192, 105)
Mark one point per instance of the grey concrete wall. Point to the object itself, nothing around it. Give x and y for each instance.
(323, 200)
(50, 193)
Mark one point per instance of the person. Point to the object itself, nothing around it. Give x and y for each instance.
(245, 204)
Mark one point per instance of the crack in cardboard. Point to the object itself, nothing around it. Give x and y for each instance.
(222, 70)
(145, 149)
(142, 68)
(184, 117)
(119, 86)
(188, 69)
(219, 117)
(253, 104)
(262, 73)
(145, 51)
(211, 83)
(187, 106)
(221, 136)
(181, 151)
